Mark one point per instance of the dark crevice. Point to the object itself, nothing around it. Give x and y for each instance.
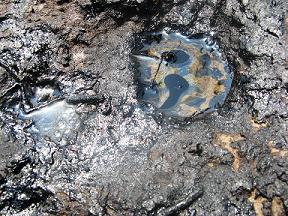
(271, 33)
(60, 2)
(17, 166)
(218, 13)
(182, 205)
(122, 12)
(3, 18)
(3, 180)
(91, 99)
(33, 195)
(247, 56)
(79, 39)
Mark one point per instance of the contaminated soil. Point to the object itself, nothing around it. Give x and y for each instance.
(75, 138)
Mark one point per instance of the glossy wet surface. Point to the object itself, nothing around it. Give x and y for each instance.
(69, 157)
(183, 77)
(176, 86)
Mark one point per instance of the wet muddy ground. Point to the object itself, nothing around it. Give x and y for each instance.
(76, 140)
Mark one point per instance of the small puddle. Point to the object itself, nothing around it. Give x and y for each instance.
(55, 121)
(182, 77)
(51, 116)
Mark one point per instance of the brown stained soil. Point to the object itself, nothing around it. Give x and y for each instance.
(224, 141)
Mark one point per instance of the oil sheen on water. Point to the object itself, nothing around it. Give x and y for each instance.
(182, 77)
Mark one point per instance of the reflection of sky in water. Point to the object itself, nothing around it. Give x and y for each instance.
(196, 62)
(176, 85)
(42, 94)
(54, 121)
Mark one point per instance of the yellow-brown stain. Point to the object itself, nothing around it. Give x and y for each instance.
(257, 126)
(277, 207)
(277, 152)
(205, 81)
(213, 162)
(111, 212)
(218, 88)
(151, 52)
(187, 98)
(154, 68)
(217, 65)
(186, 110)
(68, 205)
(195, 66)
(286, 37)
(208, 85)
(224, 141)
(257, 203)
(210, 164)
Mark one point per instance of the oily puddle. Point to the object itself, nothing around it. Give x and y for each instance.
(181, 76)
